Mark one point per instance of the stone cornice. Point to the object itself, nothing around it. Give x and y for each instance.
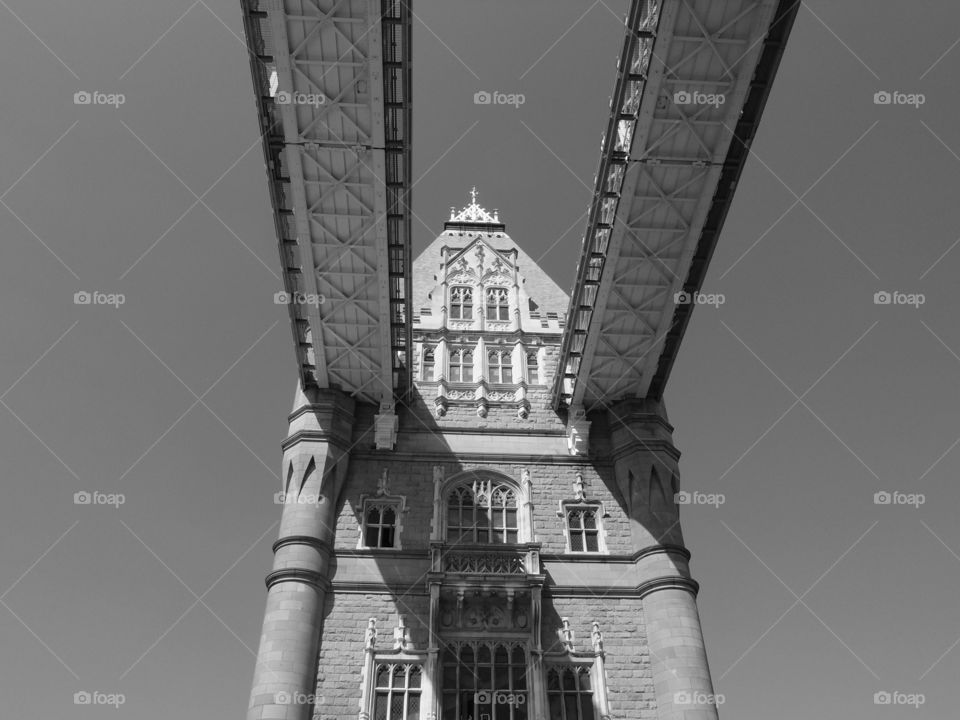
(490, 458)
(675, 582)
(301, 575)
(628, 412)
(321, 546)
(328, 402)
(317, 436)
(646, 445)
(433, 335)
(617, 559)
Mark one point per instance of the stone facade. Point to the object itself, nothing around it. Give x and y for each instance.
(615, 601)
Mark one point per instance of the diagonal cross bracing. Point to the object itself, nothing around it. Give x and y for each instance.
(691, 84)
(332, 79)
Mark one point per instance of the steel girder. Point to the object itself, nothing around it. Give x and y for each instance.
(691, 84)
(332, 80)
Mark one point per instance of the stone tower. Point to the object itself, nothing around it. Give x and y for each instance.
(478, 554)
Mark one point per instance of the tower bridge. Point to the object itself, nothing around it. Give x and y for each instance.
(479, 460)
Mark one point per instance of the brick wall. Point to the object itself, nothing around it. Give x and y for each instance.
(342, 651)
(628, 670)
(627, 659)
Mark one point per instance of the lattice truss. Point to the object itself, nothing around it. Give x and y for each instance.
(662, 156)
(332, 79)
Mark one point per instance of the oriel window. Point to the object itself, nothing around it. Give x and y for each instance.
(461, 365)
(499, 366)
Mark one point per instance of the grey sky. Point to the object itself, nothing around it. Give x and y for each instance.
(113, 406)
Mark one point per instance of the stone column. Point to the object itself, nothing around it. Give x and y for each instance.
(315, 458)
(647, 476)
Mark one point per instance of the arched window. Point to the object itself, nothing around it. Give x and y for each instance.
(584, 529)
(461, 365)
(498, 304)
(484, 680)
(461, 303)
(429, 361)
(380, 526)
(533, 369)
(397, 691)
(482, 512)
(499, 366)
(569, 693)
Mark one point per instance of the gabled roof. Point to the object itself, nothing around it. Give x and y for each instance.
(538, 285)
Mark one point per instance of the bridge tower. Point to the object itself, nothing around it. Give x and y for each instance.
(475, 552)
(479, 479)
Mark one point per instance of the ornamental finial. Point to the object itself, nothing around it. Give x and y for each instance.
(578, 493)
(566, 635)
(597, 637)
(474, 213)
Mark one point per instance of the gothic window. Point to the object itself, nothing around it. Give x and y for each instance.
(482, 513)
(485, 680)
(499, 366)
(461, 365)
(533, 370)
(583, 528)
(461, 303)
(397, 691)
(380, 524)
(498, 304)
(429, 362)
(570, 693)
